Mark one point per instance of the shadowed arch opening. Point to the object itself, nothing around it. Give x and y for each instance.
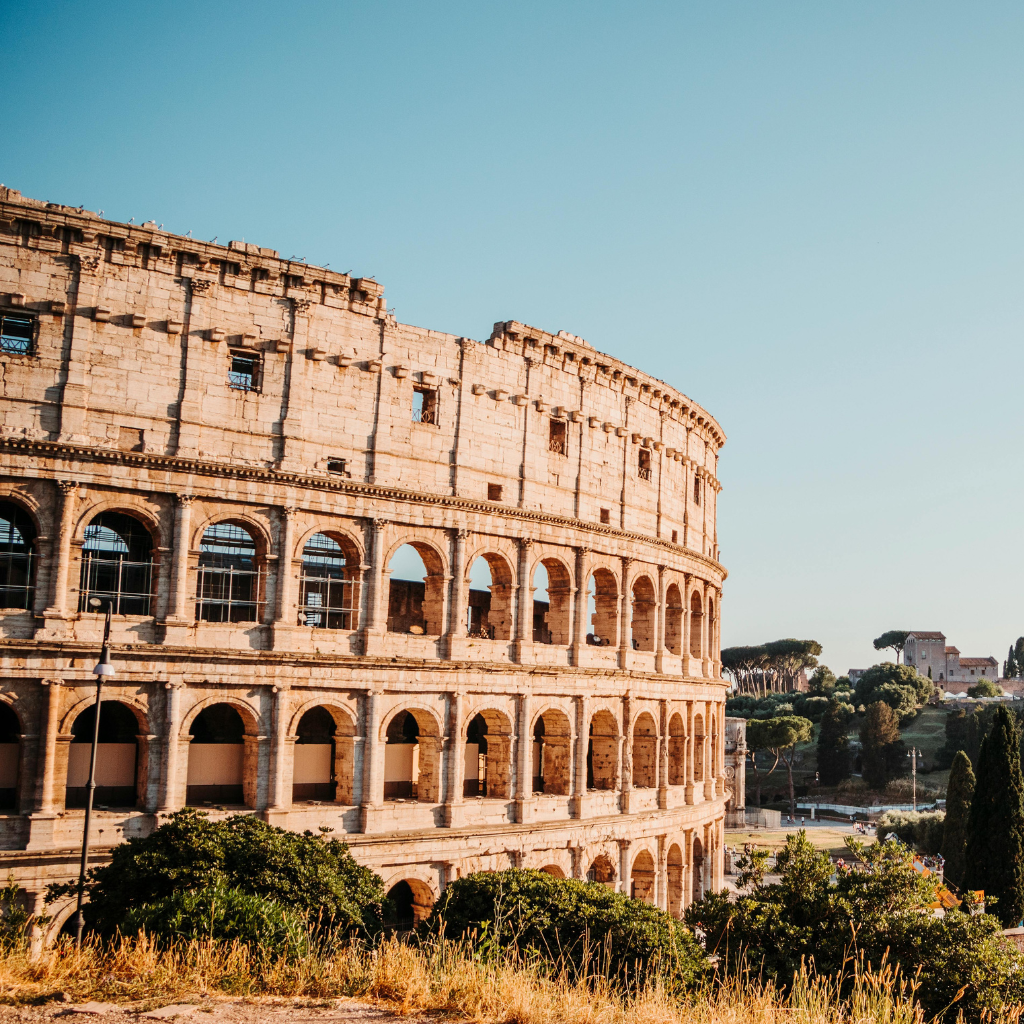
(329, 583)
(676, 750)
(675, 881)
(117, 565)
(698, 748)
(552, 592)
(645, 752)
(603, 752)
(642, 617)
(223, 757)
(489, 613)
(230, 586)
(712, 646)
(552, 753)
(602, 870)
(641, 878)
(412, 761)
(117, 757)
(408, 903)
(553, 870)
(323, 756)
(697, 868)
(696, 618)
(17, 557)
(674, 620)
(489, 756)
(604, 618)
(416, 591)
(10, 757)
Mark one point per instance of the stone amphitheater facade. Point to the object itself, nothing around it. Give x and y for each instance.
(230, 447)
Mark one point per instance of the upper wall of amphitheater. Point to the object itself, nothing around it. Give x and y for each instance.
(153, 343)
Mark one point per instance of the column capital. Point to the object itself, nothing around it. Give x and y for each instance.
(50, 682)
(184, 500)
(288, 510)
(67, 486)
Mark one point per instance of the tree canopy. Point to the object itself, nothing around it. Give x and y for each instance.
(882, 753)
(959, 794)
(896, 639)
(770, 668)
(899, 686)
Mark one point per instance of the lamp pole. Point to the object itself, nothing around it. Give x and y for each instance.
(913, 770)
(102, 669)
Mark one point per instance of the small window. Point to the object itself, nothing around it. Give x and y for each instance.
(148, 252)
(696, 490)
(16, 333)
(424, 405)
(606, 516)
(675, 536)
(556, 437)
(129, 439)
(337, 466)
(643, 469)
(244, 374)
(494, 492)
(110, 246)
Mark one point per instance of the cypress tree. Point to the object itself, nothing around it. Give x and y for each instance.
(1010, 665)
(958, 810)
(995, 831)
(880, 744)
(833, 745)
(1018, 656)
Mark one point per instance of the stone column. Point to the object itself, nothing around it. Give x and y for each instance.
(524, 757)
(663, 754)
(626, 757)
(687, 868)
(286, 613)
(685, 643)
(579, 625)
(624, 879)
(578, 862)
(659, 622)
(709, 758)
(454, 812)
(279, 799)
(690, 753)
(579, 789)
(169, 797)
(55, 616)
(53, 698)
(373, 784)
(705, 633)
(455, 642)
(661, 875)
(625, 613)
(376, 624)
(524, 603)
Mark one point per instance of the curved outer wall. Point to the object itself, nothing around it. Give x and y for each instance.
(530, 449)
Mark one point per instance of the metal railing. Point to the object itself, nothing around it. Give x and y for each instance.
(328, 603)
(17, 589)
(557, 445)
(644, 472)
(229, 595)
(127, 586)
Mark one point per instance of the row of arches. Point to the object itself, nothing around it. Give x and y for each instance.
(120, 559)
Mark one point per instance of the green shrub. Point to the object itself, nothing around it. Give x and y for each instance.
(313, 876)
(917, 829)
(579, 925)
(985, 688)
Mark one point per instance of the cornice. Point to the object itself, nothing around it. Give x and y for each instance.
(199, 467)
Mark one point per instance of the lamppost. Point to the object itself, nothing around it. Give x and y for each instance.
(102, 669)
(912, 754)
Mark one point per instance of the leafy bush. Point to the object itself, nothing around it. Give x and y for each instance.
(899, 686)
(582, 925)
(878, 910)
(311, 875)
(920, 829)
(984, 688)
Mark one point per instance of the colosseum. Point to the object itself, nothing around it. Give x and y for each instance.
(457, 601)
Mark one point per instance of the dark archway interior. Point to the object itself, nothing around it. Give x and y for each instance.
(313, 766)
(216, 757)
(10, 750)
(116, 757)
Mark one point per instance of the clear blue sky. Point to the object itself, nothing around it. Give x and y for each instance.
(807, 216)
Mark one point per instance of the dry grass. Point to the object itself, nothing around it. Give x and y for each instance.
(440, 978)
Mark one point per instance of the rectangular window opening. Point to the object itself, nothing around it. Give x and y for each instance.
(17, 333)
(244, 374)
(337, 466)
(606, 516)
(557, 437)
(424, 405)
(494, 492)
(696, 490)
(643, 469)
(675, 536)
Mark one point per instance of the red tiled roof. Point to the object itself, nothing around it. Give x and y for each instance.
(923, 635)
(952, 650)
(978, 662)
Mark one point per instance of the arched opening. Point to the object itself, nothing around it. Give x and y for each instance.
(230, 587)
(696, 617)
(711, 628)
(329, 584)
(553, 870)
(698, 870)
(10, 757)
(674, 620)
(603, 752)
(676, 751)
(116, 757)
(412, 758)
(552, 590)
(641, 878)
(221, 759)
(602, 870)
(408, 903)
(313, 768)
(416, 591)
(488, 756)
(604, 613)
(641, 621)
(698, 748)
(17, 557)
(645, 752)
(552, 753)
(117, 565)
(490, 598)
(675, 881)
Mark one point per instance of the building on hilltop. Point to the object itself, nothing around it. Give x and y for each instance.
(928, 653)
(235, 452)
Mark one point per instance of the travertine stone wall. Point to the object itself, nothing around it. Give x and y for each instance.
(532, 448)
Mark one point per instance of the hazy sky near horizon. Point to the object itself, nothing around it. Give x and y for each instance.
(806, 216)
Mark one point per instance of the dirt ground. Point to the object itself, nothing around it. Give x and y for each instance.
(204, 1010)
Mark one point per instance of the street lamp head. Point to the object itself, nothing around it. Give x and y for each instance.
(103, 666)
(94, 603)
